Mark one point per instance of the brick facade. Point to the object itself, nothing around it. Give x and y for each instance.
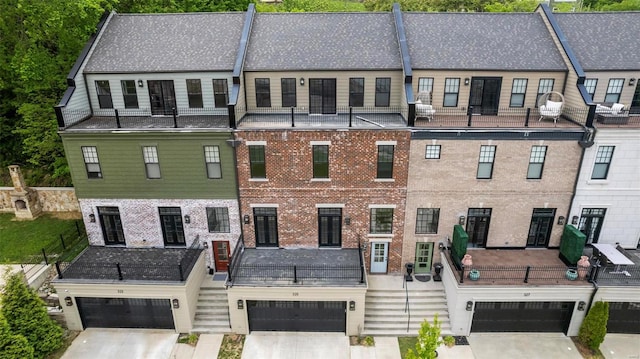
(352, 186)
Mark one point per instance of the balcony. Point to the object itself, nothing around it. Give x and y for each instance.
(128, 119)
(511, 117)
(343, 267)
(344, 117)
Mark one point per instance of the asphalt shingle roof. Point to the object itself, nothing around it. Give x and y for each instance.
(603, 41)
(168, 42)
(323, 41)
(480, 41)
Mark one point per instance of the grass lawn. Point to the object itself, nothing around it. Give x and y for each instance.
(406, 343)
(21, 239)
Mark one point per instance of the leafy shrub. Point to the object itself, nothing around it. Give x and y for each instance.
(13, 346)
(449, 341)
(428, 341)
(26, 315)
(594, 326)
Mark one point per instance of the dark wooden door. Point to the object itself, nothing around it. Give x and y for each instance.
(322, 96)
(485, 95)
(221, 255)
(162, 97)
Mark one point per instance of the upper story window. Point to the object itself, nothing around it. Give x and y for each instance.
(544, 86)
(485, 163)
(432, 152)
(590, 85)
(129, 93)
(220, 93)
(104, 94)
(425, 84)
(212, 161)
(320, 161)
(263, 93)
(257, 161)
(356, 92)
(451, 90)
(218, 219)
(194, 91)
(614, 90)
(91, 162)
(151, 163)
(603, 162)
(427, 220)
(383, 91)
(381, 220)
(385, 161)
(536, 162)
(288, 92)
(518, 91)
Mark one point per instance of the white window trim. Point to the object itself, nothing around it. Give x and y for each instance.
(382, 206)
(329, 205)
(256, 143)
(258, 180)
(375, 238)
(386, 143)
(384, 180)
(320, 180)
(320, 143)
(266, 205)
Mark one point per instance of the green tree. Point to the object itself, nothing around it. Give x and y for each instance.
(13, 346)
(624, 5)
(512, 6)
(428, 341)
(26, 315)
(594, 326)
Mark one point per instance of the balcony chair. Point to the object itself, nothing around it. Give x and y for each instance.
(424, 109)
(550, 105)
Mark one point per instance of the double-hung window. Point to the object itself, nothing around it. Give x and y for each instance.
(218, 219)
(485, 163)
(220, 93)
(544, 86)
(356, 92)
(194, 92)
(590, 85)
(518, 90)
(383, 91)
(151, 163)
(385, 161)
(381, 221)
(614, 89)
(432, 152)
(104, 94)
(263, 93)
(91, 162)
(603, 162)
(451, 90)
(257, 161)
(212, 161)
(129, 93)
(536, 162)
(320, 161)
(425, 84)
(288, 92)
(427, 220)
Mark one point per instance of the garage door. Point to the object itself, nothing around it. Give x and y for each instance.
(296, 316)
(522, 316)
(125, 313)
(624, 317)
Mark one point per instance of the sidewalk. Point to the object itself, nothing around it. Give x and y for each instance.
(207, 347)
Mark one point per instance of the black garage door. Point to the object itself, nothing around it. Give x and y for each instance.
(294, 316)
(624, 317)
(125, 313)
(522, 317)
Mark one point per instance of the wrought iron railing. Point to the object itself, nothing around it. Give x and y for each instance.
(235, 259)
(296, 273)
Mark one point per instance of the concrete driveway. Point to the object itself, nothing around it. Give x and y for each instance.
(287, 345)
(621, 346)
(96, 343)
(522, 345)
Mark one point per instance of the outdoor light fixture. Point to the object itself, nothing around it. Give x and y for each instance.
(302, 81)
(347, 221)
(140, 83)
(68, 301)
(469, 306)
(240, 304)
(205, 244)
(461, 220)
(352, 305)
(574, 220)
(187, 219)
(364, 245)
(561, 220)
(92, 218)
(440, 246)
(632, 81)
(246, 219)
(582, 305)
(466, 81)
(176, 303)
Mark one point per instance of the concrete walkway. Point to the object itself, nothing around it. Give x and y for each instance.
(207, 347)
(621, 346)
(522, 345)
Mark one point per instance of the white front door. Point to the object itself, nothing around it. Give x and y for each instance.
(379, 254)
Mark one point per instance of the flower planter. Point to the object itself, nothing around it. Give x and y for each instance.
(474, 274)
(572, 274)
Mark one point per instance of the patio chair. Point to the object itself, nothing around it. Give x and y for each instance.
(424, 109)
(550, 105)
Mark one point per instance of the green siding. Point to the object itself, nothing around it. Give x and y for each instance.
(182, 166)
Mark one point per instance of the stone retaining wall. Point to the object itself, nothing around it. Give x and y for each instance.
(51, 199)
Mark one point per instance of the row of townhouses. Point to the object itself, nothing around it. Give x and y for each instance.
(241, 172)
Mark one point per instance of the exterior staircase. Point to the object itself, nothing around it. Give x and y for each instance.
(212, 312)
(385, 311)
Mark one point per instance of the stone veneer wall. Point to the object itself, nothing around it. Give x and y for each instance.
(51, 199)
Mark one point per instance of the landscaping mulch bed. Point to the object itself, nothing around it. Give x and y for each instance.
(231, 347)
(585, 351)
(364, 341)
